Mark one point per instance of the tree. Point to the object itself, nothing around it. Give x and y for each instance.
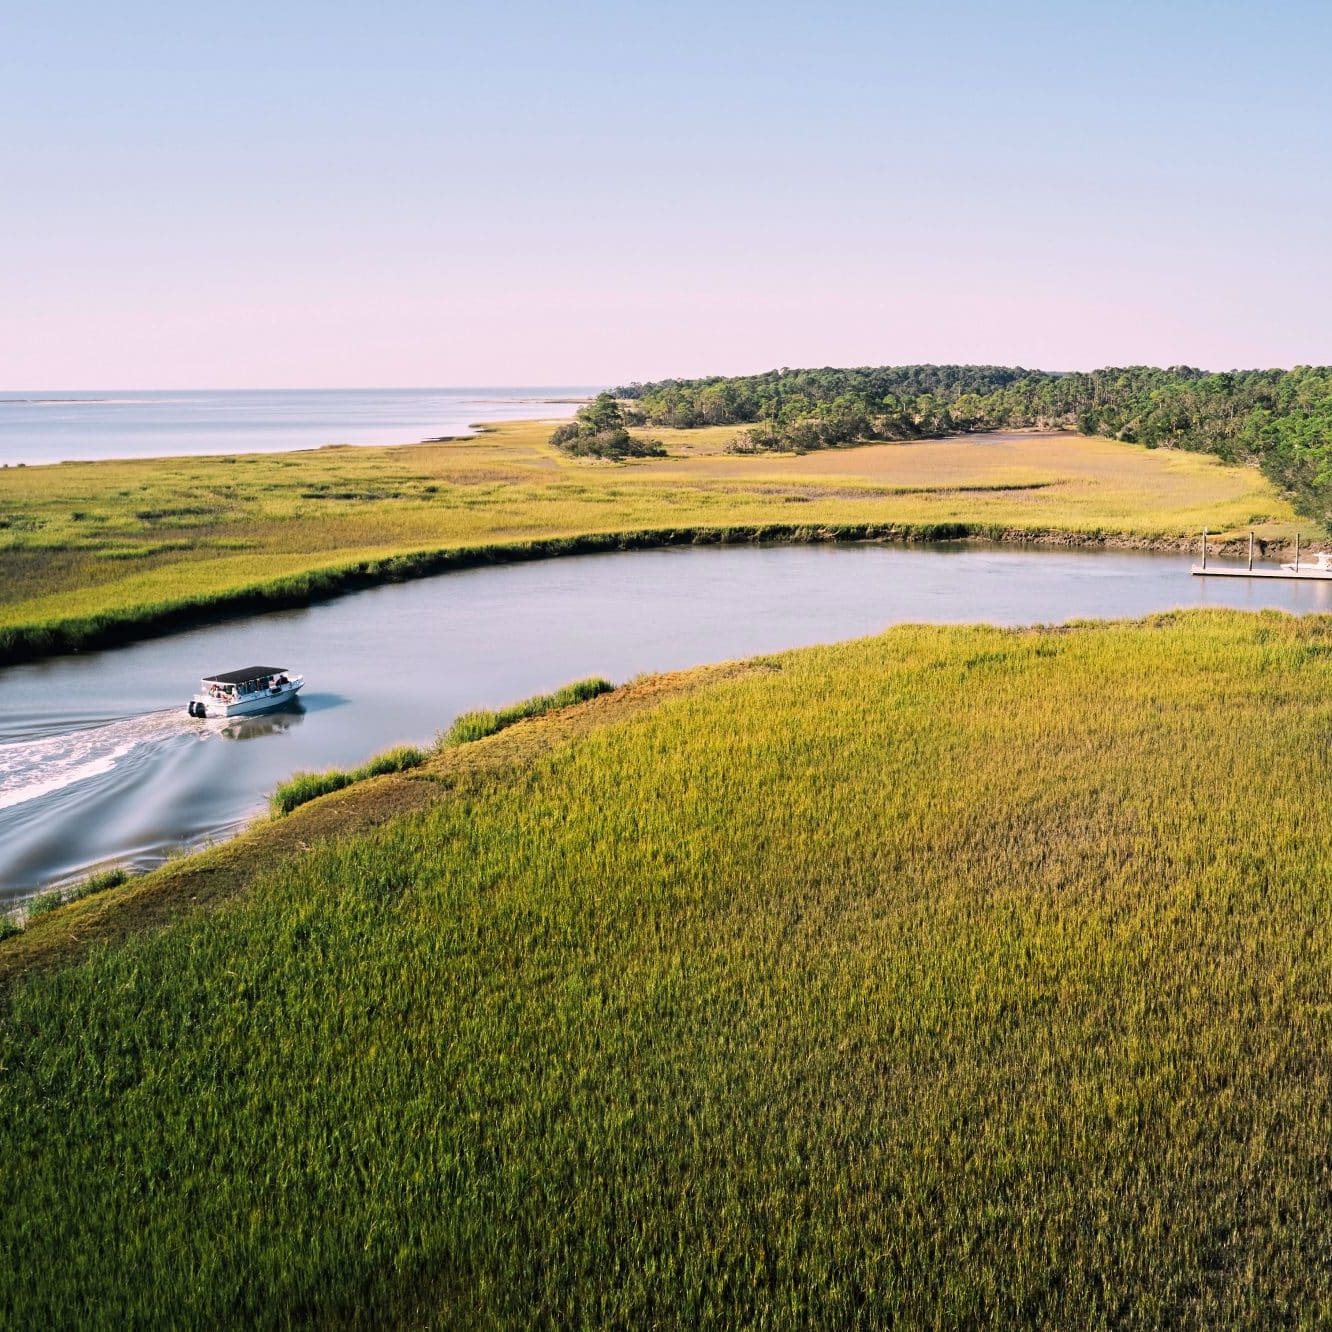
(598, 430)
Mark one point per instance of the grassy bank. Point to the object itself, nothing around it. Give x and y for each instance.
(953, 976)
(302, 787)
(486, 722)
(97, 553)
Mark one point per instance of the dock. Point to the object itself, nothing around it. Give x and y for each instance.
(1312, 573)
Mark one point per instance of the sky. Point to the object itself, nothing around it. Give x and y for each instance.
(407, 194)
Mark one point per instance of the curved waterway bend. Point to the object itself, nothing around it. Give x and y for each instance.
(100, 764)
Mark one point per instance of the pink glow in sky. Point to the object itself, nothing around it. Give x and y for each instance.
(584, 193)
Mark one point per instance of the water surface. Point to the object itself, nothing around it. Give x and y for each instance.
(61, 427)
(99, 762)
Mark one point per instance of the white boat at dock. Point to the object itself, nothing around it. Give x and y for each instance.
(1322, 565)
(1313, 568)
(244, 692)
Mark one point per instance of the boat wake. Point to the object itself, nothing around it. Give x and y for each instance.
(30, 769)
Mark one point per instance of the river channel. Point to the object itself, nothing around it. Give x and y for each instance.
(100, 765)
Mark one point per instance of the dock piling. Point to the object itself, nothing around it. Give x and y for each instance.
(1204, 559)
(1250, 548)
(1297, 552)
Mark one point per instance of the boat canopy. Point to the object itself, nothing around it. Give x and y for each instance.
(245, 675)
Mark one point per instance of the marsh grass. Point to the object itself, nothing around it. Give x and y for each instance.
(95, 553)
(477, 725)
(307, 786)
(956, 977)
(42, 904)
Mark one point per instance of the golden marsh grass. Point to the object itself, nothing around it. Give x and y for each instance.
(957, 976)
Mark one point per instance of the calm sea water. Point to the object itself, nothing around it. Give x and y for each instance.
(100, 764)
(60, 427)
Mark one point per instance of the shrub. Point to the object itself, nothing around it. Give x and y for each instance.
(599, 431)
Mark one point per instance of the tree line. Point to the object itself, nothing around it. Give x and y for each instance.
(1281, 419)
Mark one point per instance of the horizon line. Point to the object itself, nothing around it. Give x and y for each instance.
(32, 393)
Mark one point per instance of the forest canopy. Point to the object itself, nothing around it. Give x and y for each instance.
(1280, 419)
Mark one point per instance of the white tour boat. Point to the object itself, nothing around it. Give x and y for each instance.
(241, 693)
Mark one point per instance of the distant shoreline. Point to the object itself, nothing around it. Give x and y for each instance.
(43, 429)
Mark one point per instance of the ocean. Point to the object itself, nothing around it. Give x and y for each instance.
(84, 425)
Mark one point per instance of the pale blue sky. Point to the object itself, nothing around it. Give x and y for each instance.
(332, 194)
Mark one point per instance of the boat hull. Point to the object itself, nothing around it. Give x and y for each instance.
(249, 705)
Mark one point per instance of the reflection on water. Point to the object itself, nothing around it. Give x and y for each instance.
(100, 763)
(308, 702)
(265, 723)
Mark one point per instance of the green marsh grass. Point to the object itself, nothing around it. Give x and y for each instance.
(955, 977)
(477, 725)
(305, 786)
(42, 904)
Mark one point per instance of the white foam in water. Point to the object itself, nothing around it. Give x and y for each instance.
(33, 768)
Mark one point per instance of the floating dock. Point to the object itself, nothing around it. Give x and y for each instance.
(1312, 573)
